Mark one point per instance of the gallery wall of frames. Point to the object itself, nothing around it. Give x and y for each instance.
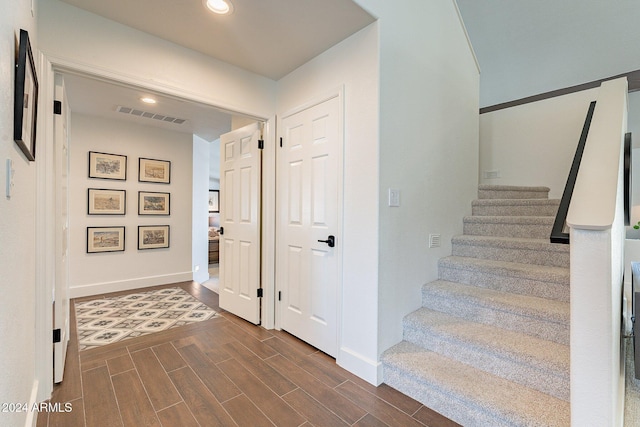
(130, 203)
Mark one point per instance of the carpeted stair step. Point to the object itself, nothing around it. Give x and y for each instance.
(512, 192)
(469, 396)
(543, 318)
(523, 279)
(532, 227)
(515, 207)
(533, 362)
(512, 249)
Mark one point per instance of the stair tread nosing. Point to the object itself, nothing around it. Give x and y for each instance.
(548, 310)
(493, 187)
(515, 202)
(462, 391)
(510, 242)
(518, 220)
(543, 273)
(503, 343)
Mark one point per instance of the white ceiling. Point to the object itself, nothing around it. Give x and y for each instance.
(268, 37)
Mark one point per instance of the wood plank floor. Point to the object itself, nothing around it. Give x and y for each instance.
(221, 372)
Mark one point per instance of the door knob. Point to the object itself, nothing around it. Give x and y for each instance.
(331, 241)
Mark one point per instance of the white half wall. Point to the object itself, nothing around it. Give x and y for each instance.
(95, 273)
(353, 65)
(533, 144)
(429, 91)
(18, 237)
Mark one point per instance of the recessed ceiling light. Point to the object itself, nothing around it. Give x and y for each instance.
(148, 100)
(221, 7)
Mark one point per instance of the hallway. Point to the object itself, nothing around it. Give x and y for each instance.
(223, 371)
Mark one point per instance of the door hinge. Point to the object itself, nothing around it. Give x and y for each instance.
(280, 141)
(57, 335)
(261, 144)
(260, 293)
(279, 295)
(221, 231)
(57, 107)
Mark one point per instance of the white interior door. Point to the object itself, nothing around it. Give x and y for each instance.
(61, 286)
(240, 191)
(308, 270)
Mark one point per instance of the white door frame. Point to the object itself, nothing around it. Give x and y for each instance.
(336, 93)
(45, 225)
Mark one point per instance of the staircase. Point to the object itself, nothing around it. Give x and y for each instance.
(490, 345)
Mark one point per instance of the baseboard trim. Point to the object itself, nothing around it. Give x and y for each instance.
(359, 365)
(124, 285)
(32, 416)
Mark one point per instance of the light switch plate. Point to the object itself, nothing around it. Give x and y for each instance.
(394, 197)
(9, 178)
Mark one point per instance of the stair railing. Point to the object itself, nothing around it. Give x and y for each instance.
(558, 232)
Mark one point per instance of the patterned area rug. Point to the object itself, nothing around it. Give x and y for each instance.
(108, 320)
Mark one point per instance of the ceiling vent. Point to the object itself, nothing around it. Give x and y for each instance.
(149, 115)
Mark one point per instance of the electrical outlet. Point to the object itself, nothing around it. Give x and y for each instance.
(394, 197)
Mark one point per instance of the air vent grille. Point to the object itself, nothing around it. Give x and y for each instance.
(149, 115)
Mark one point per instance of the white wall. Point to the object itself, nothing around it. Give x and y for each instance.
(83, 40)
(352, 64)
(200, 205)
(94, 273)
(17, 231)
(428, 147)
(533, 144)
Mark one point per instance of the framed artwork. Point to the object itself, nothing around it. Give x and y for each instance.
(153, 236)
(25, 102)
(214, 200)
(151, 170)
(106, 202)
(153, 203)
(107, 166)
(105, 239)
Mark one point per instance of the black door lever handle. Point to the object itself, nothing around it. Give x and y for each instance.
(331, 241)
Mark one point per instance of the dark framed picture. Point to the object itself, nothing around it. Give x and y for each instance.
(152, 170)
(153, 203)
(107, 166)
(214, 200)
(105, 239)
(106, 202)
(25, 99)
(153, 236)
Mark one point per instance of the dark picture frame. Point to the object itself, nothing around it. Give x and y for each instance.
(107, 166)
(25, 103)
(153, 237)
(105, 239)
(214, 201)
(153, 170)
(154, 203)
(101, 201)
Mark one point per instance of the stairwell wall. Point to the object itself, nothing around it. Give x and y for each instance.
(429, 94)
(533, 144)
